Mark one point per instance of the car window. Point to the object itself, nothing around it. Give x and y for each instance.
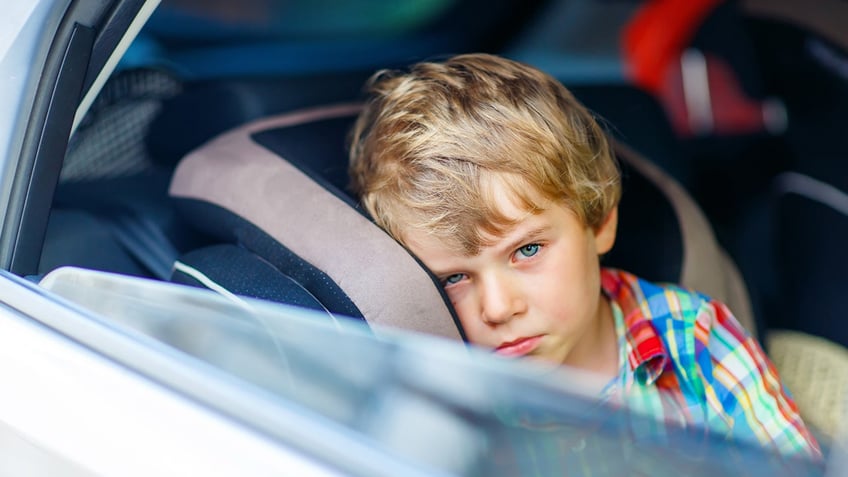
(423, 400)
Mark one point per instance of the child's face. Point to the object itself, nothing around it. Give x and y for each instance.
(535, 291)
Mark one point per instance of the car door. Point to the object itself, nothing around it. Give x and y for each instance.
(86, 397)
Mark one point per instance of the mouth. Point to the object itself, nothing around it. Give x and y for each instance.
(519, 347)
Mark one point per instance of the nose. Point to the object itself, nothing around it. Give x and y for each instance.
(501, 298)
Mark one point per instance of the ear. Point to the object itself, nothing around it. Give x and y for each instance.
(605, 234)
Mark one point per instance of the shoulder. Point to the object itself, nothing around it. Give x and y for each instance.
(686, 321)
(704, 341)
(657, 302)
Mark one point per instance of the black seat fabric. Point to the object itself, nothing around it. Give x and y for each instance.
(275, 188)
(258, 245)
(648, 244)
(244, 272)
(214, 107)
(811, 227)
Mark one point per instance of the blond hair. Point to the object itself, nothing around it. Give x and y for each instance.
(429, 143)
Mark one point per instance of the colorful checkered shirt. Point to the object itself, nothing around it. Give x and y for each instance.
(687, 360)
(695, 395)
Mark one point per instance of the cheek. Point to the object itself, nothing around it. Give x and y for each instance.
(471, 324)
(553, 300)
(566, 286)
(466, 311)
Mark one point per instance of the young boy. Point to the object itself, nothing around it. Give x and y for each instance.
(505, 187)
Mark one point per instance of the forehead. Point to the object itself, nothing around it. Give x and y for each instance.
(511, 210)
(443, 255)
(513, 200)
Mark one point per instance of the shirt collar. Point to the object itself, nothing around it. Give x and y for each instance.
(645, 351)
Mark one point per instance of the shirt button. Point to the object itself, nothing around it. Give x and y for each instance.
(578, 448)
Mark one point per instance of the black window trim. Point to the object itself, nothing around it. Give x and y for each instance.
(84, 40)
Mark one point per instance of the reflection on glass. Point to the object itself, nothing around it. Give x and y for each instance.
(437, 404)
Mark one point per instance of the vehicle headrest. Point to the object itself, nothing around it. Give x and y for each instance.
(254, 186)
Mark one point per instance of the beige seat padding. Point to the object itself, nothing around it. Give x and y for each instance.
(815, 370)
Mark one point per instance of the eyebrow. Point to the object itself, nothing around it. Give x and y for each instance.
(525, 238)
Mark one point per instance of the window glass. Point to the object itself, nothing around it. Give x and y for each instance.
(428, 401)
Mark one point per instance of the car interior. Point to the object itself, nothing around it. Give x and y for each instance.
(215, 157)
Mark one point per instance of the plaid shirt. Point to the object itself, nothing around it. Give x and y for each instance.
(687, 360)
(690, 379)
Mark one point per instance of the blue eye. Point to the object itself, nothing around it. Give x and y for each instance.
(453, 279)
(529, 250)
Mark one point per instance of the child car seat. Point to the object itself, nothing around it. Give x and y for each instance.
(292, 214)
(274, 190)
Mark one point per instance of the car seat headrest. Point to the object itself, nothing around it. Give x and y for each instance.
(307, 226)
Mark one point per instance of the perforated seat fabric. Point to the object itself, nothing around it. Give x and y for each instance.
(276, 188)
(245, 273)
